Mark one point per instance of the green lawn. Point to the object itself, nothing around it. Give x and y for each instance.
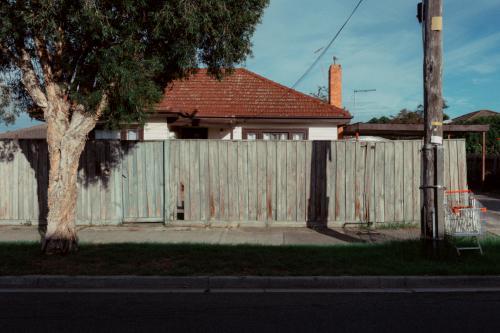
(398, 258)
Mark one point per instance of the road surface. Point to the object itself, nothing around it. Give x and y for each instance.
(154, 311)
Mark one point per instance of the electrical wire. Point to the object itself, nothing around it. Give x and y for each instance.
(328, 46)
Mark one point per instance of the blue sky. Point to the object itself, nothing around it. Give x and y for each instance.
(381, 49)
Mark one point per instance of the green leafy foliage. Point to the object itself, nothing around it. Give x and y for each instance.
(406, 116)
(321, 93)
(380, 120)
(129, 48)
(474, 141)
(7, 111)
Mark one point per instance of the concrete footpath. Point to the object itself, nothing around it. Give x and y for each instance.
(262, 283)
(158, 233)
(148, 233)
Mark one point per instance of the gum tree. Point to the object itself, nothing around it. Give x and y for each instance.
(74, 63)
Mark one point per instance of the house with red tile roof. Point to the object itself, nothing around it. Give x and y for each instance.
(242, 105)
(475, 115)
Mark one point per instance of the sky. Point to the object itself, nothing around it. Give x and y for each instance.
(380, 48)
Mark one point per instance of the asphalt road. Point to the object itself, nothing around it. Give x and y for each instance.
(249, 312)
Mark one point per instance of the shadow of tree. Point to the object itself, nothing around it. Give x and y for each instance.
(8, 149)
(97, 161)
(99, 158)
(32, 151)
(318, 202)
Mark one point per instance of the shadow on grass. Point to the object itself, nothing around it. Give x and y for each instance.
(396, 258)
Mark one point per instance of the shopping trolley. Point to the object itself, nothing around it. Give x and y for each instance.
(464, 217)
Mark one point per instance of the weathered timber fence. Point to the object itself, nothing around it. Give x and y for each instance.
(220, 183)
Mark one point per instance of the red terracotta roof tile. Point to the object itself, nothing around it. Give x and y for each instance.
(243, 94)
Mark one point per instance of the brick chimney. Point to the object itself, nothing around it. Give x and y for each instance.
(335, 85)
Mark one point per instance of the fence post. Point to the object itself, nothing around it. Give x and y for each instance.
(440, 191)
(483, 160)
(166, 182)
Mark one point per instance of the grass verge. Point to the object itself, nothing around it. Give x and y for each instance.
(397, 258)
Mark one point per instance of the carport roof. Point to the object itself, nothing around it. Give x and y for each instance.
(408, 129)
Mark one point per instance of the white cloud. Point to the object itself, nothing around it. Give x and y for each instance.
(480, 56)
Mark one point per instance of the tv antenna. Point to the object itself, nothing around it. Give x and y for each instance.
(357, 91)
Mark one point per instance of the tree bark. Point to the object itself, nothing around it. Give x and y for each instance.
(61, 236)
(66, 140)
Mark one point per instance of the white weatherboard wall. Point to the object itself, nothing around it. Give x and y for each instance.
(237, 133)
(156, 131)
(323, 133)
(160, 131)
(152, 132)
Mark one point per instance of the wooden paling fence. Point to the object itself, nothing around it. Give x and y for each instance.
(220, 183)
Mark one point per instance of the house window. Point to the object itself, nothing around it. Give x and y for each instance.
(132, 134)
(251, 136)
(107, 135)
(275, 134)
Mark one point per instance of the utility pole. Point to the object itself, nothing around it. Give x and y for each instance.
(432, 221)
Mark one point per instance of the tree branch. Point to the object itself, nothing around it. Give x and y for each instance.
(7, 52)
(73, 76)
(59, 46)
(30, 81)
(44, 56)
(83, 122)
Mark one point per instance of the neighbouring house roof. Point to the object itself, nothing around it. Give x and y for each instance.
(243, 94)
(475, 115)
(33, 132)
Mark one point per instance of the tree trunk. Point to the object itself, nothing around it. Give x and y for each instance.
(66, 140)
(61, 234)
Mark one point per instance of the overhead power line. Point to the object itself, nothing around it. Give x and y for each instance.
(328, 46)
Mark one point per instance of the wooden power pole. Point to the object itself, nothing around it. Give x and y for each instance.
(432, 222)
